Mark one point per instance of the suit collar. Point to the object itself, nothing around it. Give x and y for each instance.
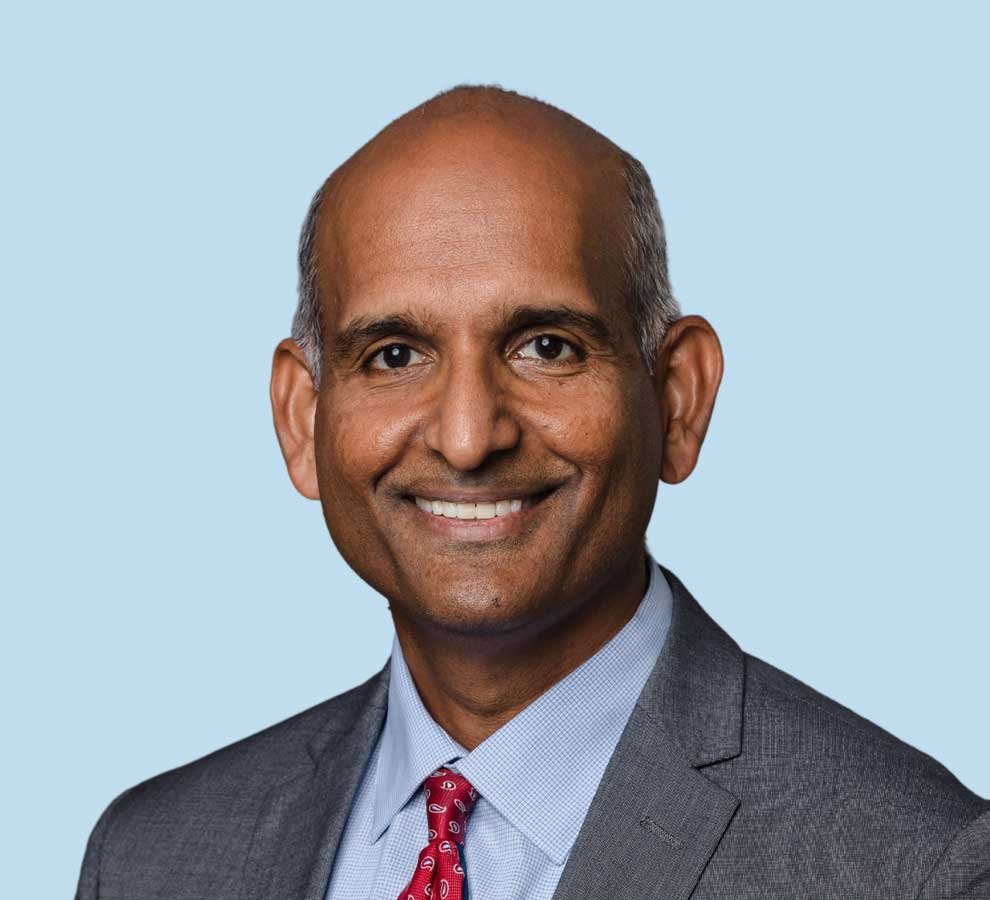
(347, 711)
(695, 692)
(656, 818)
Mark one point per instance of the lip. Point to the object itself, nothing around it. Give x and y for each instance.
(479, 529)
(487, 496)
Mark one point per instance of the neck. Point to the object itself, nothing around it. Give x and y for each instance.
(471, 687)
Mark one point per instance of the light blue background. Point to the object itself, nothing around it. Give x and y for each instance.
(822, 172)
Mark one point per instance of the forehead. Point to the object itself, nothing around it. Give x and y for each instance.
(469, 215)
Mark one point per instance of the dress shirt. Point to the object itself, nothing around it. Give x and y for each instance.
(536, 775)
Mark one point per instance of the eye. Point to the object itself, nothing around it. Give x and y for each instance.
(550, 347)
(393, 356)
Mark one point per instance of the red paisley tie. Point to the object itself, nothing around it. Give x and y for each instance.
(439, 875)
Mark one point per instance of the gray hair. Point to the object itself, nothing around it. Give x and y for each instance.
(653, 306)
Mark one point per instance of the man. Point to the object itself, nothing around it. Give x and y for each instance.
(487, 379)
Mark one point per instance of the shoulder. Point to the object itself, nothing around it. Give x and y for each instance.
(257, 762)
(833, 781)
(222, 792)
(792, 723)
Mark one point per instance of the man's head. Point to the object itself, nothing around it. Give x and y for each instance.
(485, 316)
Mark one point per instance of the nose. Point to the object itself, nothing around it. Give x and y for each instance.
(470, 419)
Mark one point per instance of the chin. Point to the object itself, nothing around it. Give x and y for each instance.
(475, 607)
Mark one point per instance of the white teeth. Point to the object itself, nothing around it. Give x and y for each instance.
(482, 510)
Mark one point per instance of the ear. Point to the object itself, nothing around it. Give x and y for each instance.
(294, 410)
(687, 374)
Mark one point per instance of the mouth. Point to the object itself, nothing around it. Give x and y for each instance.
(477, 519)
(469, 510)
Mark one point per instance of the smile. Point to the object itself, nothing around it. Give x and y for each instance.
(481, 510)
(478, 520)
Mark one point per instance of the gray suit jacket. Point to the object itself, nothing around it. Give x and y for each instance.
(731, 780)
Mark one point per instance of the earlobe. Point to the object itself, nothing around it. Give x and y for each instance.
(689, 371)
(680, 453)
(293, 398)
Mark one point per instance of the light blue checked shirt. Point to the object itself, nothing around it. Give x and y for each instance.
(536, 775)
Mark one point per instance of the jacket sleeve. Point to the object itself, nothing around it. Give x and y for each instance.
(89, 875)
(963, 870)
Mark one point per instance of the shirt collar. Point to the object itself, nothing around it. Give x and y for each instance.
(551, 755)
(412, 746)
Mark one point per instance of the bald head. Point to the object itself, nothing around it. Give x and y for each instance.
(462, 108)
(476, 164)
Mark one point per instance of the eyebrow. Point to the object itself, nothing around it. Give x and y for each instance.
(364, 330)
(521, 317)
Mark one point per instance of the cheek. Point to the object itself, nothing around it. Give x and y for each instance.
(598, 426)
(356, 442)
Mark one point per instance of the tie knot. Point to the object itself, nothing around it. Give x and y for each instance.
(449, 798)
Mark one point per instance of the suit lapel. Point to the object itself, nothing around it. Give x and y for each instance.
(656, 820)
(303, 817)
